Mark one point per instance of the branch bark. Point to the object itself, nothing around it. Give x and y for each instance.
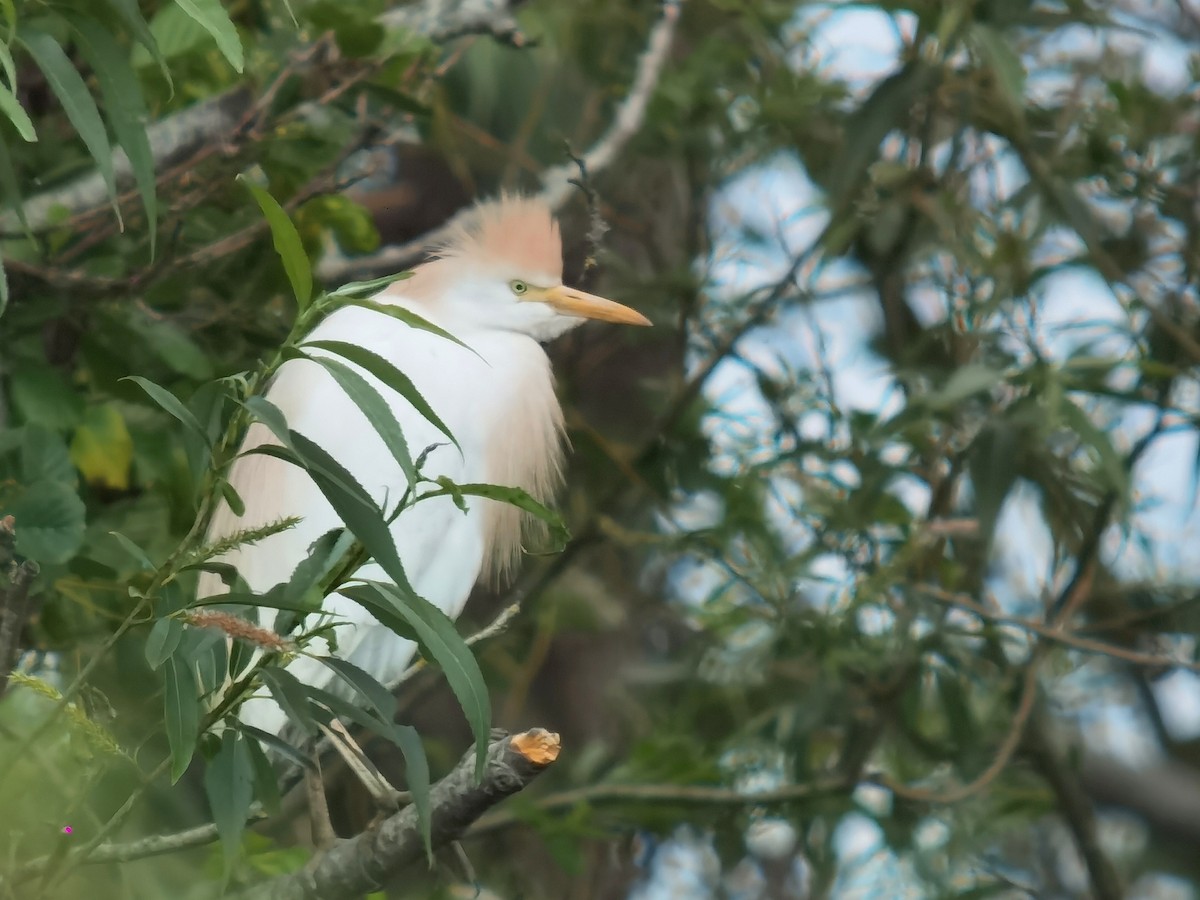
(364, 863)
(15, 604)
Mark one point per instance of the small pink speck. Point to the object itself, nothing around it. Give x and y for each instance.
(67, 829)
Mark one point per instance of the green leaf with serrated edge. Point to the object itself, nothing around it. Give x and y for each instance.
(76, 101)
(372, 691)
(266, 783)
(131, 15)
(440, 642)
(11, 107)
(181, 710)
(162, 641)
(374, 407)
(287, 243)
(512, 496)
(291, 696)
(214, 20)
(125, 108)
(171, 404)
(388, 374)
(229, 785)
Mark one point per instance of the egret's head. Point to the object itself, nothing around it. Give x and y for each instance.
(502, 269)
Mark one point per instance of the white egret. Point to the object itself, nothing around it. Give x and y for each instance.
(496, 285)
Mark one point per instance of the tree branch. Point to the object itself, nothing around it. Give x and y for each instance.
(181, 134)
(364, 863)
(556, 182)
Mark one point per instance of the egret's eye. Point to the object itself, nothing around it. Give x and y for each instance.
(518, 287)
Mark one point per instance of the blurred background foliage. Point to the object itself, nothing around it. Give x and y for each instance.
(883, 577)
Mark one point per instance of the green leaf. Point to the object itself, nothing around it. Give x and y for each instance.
(44, 457)
(441, 643)
(174, 31)
(229, 784)
(12, 192)
(886, 109)
(273, 599)
(375, 408)
(276, 743)
(966, 382)
(993, 467)
(125, 108)
(171, 404)
(416, 775)
(365, 289)
(77, 103)
(164, 638)
(102, 448)
(408, 317)
(291, 695)
(372, 691)
(49, 521)
(287, 243)
(998, 54)
(43, 396)
(388, 374)
(266, 784)
(214, 19)
(233, 498)
(1112, 466)
(135, 551)
(510, 495)
(11, 107)
(132, 16)
(181, 708)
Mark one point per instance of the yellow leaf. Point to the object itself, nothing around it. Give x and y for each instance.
(102, 449)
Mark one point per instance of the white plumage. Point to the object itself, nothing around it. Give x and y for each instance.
(496, 286)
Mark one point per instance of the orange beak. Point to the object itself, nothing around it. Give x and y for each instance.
(571, 302)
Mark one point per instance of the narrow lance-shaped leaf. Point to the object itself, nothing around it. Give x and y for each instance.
(170, 403)
(229, 784)
(388, 374)
(163, 639)
(76, 101)
(131, 14)
(11, 107)
(125, 108)
(216, 22)
(287, 243)
(181, 710)
(375, 408)
(266, 784)
(408, 317)
(291, 696)
(365, 289)
(510, 495)
(441, 642)
(11, 191)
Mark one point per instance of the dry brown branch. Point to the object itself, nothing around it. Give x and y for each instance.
(366, 862)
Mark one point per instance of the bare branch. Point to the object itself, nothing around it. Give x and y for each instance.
(364, 863)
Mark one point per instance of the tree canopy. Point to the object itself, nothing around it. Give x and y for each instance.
(875, 572)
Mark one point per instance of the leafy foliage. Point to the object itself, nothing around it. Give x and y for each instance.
(865, 532)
